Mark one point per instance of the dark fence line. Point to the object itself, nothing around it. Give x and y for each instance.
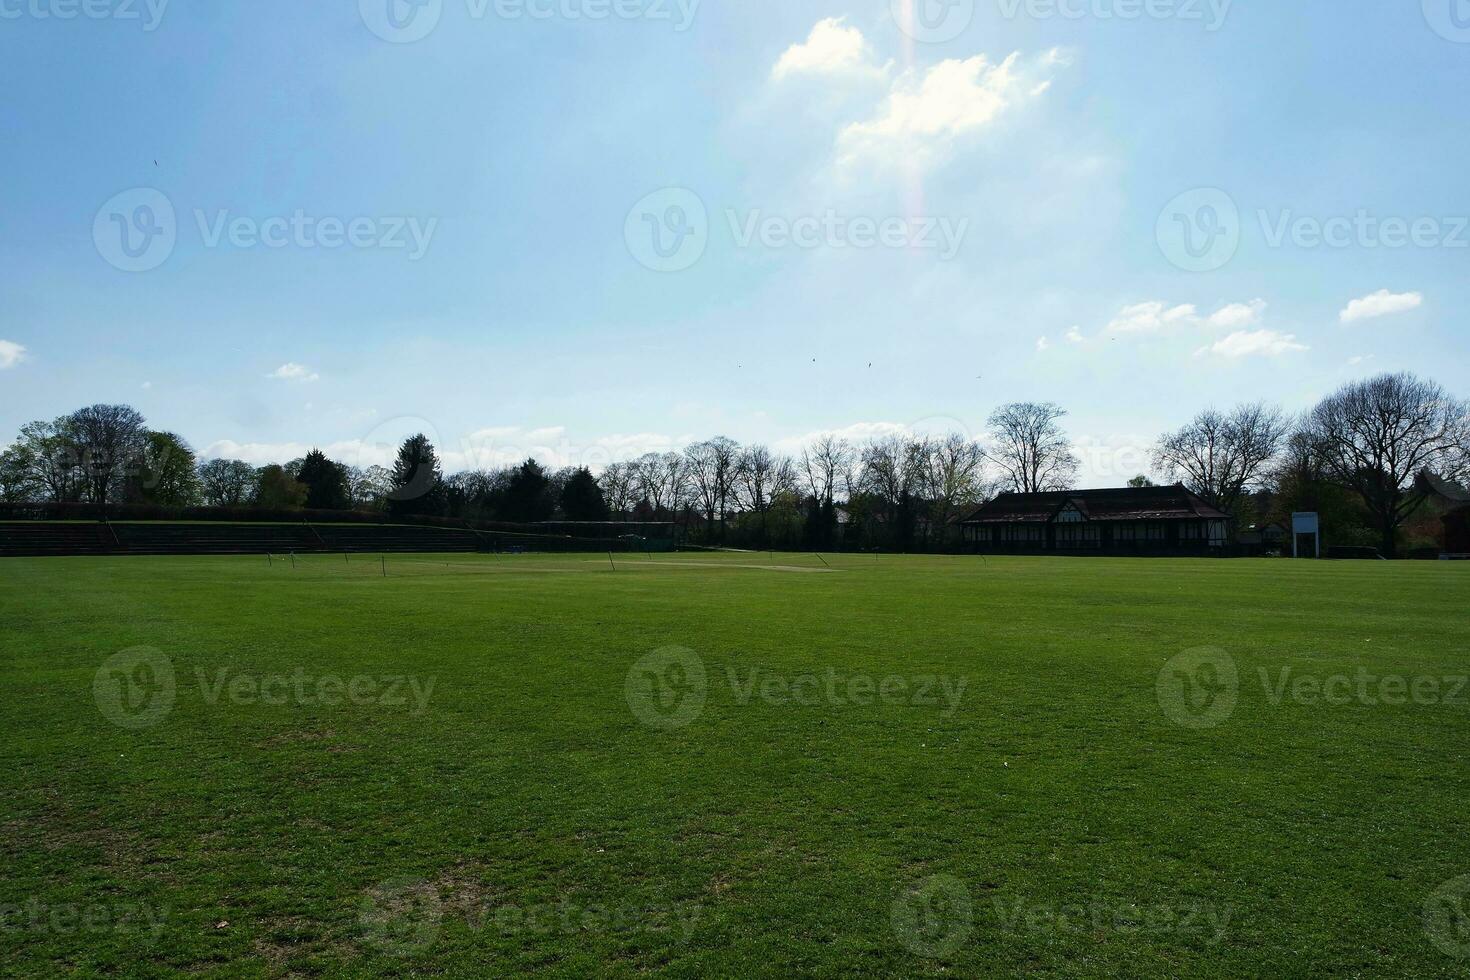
(255, 515)
(220, 537)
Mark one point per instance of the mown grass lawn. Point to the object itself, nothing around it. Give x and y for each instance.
(699, 765)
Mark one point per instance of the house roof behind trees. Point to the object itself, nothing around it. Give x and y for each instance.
(1123, 504)
(1433, 485)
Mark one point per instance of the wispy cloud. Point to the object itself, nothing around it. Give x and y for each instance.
(1156, 316)
(927, 111)
(1237, 315)
(1381, 303)
(11, 354)
(859, 433)
(1253, 343)
(292, 371)
(1150, 317)
(488, 448)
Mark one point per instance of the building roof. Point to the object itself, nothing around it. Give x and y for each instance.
(1123, 504)
(1432, 485)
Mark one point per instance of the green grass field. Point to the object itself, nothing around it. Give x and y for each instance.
(734, 765)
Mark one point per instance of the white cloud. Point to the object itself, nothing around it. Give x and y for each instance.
(860, 433)
(1111, 459)
(1056, 58)
(832, 48)
(1249, 343)
(291, 371)
(926, 111)
(1381, 303)
(1074, 336)
(257, 453)
(1359, 359)
(1156, 316)
(488, 448)
(1237, 315)
(146, 385)
(493, 432)
(1150, 317)
(11, 354)
(500, 446)
(857, 432)
(1042, 344)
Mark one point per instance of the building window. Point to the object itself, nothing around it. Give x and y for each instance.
(1217, 534)
(1020, 534)
(1134, 532)
(1079, 536)
(1070, 516)
(1192, 531)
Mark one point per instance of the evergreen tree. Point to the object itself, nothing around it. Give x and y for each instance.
(581, 497)
(326, 482)
(528, 494)
(418, 485)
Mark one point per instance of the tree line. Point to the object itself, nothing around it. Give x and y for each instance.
(1355, 457)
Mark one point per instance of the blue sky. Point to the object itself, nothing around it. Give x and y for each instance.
(985, 202)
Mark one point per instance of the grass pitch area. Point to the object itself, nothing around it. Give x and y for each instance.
(734, 765)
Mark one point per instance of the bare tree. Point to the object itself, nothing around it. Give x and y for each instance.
(1374, 437)
(783, 477)
(953, 475)
(681, 491)
(761, 477)
(755, 473)
(890, 469)
(109, 440)
(673, 476)
(618, 482)
(659, 479)
(709, 472)
(369, 486)
(1029, 446)
(702, 469)
(643, 478)
(1221, 456)
(727, 462)
(826, 466)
